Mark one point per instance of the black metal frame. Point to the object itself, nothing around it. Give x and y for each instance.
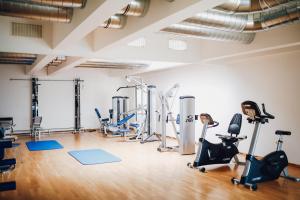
(35, 102)
(77, 116)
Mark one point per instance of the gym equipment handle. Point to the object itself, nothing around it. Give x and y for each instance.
(268, 115)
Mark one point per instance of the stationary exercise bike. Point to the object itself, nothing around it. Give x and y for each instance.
(273, 165)
(220, 153)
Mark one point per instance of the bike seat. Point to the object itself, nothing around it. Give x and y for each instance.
(230, 139)
(279, 132)
(227, 138)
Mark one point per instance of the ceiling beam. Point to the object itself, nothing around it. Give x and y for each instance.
(69, 64)
(39, 64)
(85, 21)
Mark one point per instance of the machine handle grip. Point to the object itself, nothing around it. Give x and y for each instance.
(268, 115)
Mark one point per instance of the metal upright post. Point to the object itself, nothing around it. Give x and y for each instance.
(34, 99)
(252, 148)
(163, 123)
(77, 106)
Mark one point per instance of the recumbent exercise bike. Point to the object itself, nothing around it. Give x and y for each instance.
(220, 153)
(273, 165)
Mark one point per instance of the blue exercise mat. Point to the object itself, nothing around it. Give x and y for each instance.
(93, 156)
(43, 145)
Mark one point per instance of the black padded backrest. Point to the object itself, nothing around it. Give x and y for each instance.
(235, 124)
(251, 109)
(2, 132)
(206, 118)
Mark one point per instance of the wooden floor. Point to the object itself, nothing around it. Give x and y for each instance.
(143, 173)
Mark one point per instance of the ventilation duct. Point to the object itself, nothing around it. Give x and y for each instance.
(247, 22)
(250, 6)
(112, 65)
(208, 33)
(17, 58)
(26, 30)
(136, 8)
(240, 26)
(115, 22)
(35, 11)
(61, 3)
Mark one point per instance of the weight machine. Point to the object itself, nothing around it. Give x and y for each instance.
(186, 120)
(144, 110)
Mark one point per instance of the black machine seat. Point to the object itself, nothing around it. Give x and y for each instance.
(279, 132)
(227, 138)
(235, 124)
(234, 129)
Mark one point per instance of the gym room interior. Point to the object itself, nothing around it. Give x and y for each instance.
(149, 99)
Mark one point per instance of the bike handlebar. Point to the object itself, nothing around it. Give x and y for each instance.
(214, 124)
(268, 115)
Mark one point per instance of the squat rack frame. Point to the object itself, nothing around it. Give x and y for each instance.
(35, 98)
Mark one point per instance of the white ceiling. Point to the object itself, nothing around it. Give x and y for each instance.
(82, 39)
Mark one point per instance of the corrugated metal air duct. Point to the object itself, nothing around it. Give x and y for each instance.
(208, 33)
(222, 26)
(248, 6)
(247, 22)
(136, 8)
(61, 3)
(17, 58)
(35, 11)
(115, 22)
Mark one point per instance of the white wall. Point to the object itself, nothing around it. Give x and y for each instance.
(219, 90)
(56, 99)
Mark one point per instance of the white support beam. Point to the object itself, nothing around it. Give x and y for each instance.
(160, 15)
(69, 64)
(85, 21)
(39, 64)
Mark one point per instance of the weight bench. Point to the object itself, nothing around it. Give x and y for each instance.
(36, 128)
(117, 128)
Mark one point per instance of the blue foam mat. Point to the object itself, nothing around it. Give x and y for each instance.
(43, 145)
(93, 156)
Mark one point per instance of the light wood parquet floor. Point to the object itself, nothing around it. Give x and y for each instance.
(143, 173)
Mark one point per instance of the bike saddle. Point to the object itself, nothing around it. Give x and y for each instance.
(279, 132)
(227, 138)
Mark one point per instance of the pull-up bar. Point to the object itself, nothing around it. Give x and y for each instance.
(126, 87)
(59, 80)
